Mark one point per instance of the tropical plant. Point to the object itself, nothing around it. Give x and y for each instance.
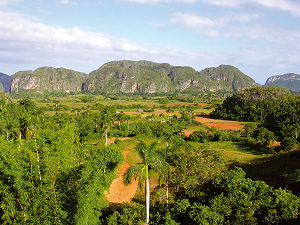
(151, 162)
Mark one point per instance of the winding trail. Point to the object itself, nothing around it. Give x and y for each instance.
(118, 191)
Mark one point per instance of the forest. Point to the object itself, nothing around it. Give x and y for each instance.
(60, 155)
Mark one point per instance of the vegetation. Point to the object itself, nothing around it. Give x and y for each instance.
(151, 162)
(277, 108)
(289, 81)
(128, 77)
(55, 165)
(48, 79)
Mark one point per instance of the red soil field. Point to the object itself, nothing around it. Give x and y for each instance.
(220, 124)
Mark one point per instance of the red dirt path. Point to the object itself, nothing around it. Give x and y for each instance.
(118, 191)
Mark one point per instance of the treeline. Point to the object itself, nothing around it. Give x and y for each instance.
(275, 107)
(258, 138)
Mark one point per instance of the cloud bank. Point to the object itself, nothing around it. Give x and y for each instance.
(24, 41)
(292, 7)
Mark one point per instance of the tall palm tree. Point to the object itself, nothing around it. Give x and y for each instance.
(151, 162)
(106, 119)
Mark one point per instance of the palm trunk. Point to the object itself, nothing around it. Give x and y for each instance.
(105, 136)
(147, 200)
(167, 190)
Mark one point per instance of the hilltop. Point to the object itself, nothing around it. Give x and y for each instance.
(132, 77)
(48, 79)
(289, 81)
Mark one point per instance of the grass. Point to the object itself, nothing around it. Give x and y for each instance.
(232, 151)
(275, 170)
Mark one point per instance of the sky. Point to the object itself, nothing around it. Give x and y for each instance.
(259, 37)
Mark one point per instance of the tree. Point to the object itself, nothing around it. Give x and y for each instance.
(107, 118)
(151, 162)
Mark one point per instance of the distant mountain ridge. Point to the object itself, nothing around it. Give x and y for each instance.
(5, 80)
(150, 77)
(289, 81)
(132, 77)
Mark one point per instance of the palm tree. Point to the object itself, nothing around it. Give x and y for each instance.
(106, 119)
(151, 162)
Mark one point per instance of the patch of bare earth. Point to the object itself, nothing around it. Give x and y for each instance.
(188, 132)
(118, 191)
(220, 124)
(112, 140)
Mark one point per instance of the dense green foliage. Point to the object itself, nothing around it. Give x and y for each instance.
(275, 106)
(54, 168)
(49, 174)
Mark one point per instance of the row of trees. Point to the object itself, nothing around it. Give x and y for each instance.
(276, 107)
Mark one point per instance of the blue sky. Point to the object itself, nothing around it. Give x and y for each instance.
(260, 37)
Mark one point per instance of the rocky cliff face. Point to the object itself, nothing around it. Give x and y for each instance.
(5, 80)
(150, 77)
(227, 76)
(48, 79)
(132, 77)
(290, 81)
(284, 77)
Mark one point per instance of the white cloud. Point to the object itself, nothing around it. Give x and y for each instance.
(65, 3)
(27, 44)
(159, 26)
(245, 17)
(289, 6)
(7, 2)
(269, 34)
(284, 5)
(153, 2)
(193, 21)
(225, 3)
(211, 33)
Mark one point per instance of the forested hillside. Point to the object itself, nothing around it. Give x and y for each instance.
(141, 77)
(290, 81)
(47, 79)
(150, 77)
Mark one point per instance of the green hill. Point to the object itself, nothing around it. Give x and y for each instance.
(48, 79)
(150, 77)
(290, 81)
(132, 77)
